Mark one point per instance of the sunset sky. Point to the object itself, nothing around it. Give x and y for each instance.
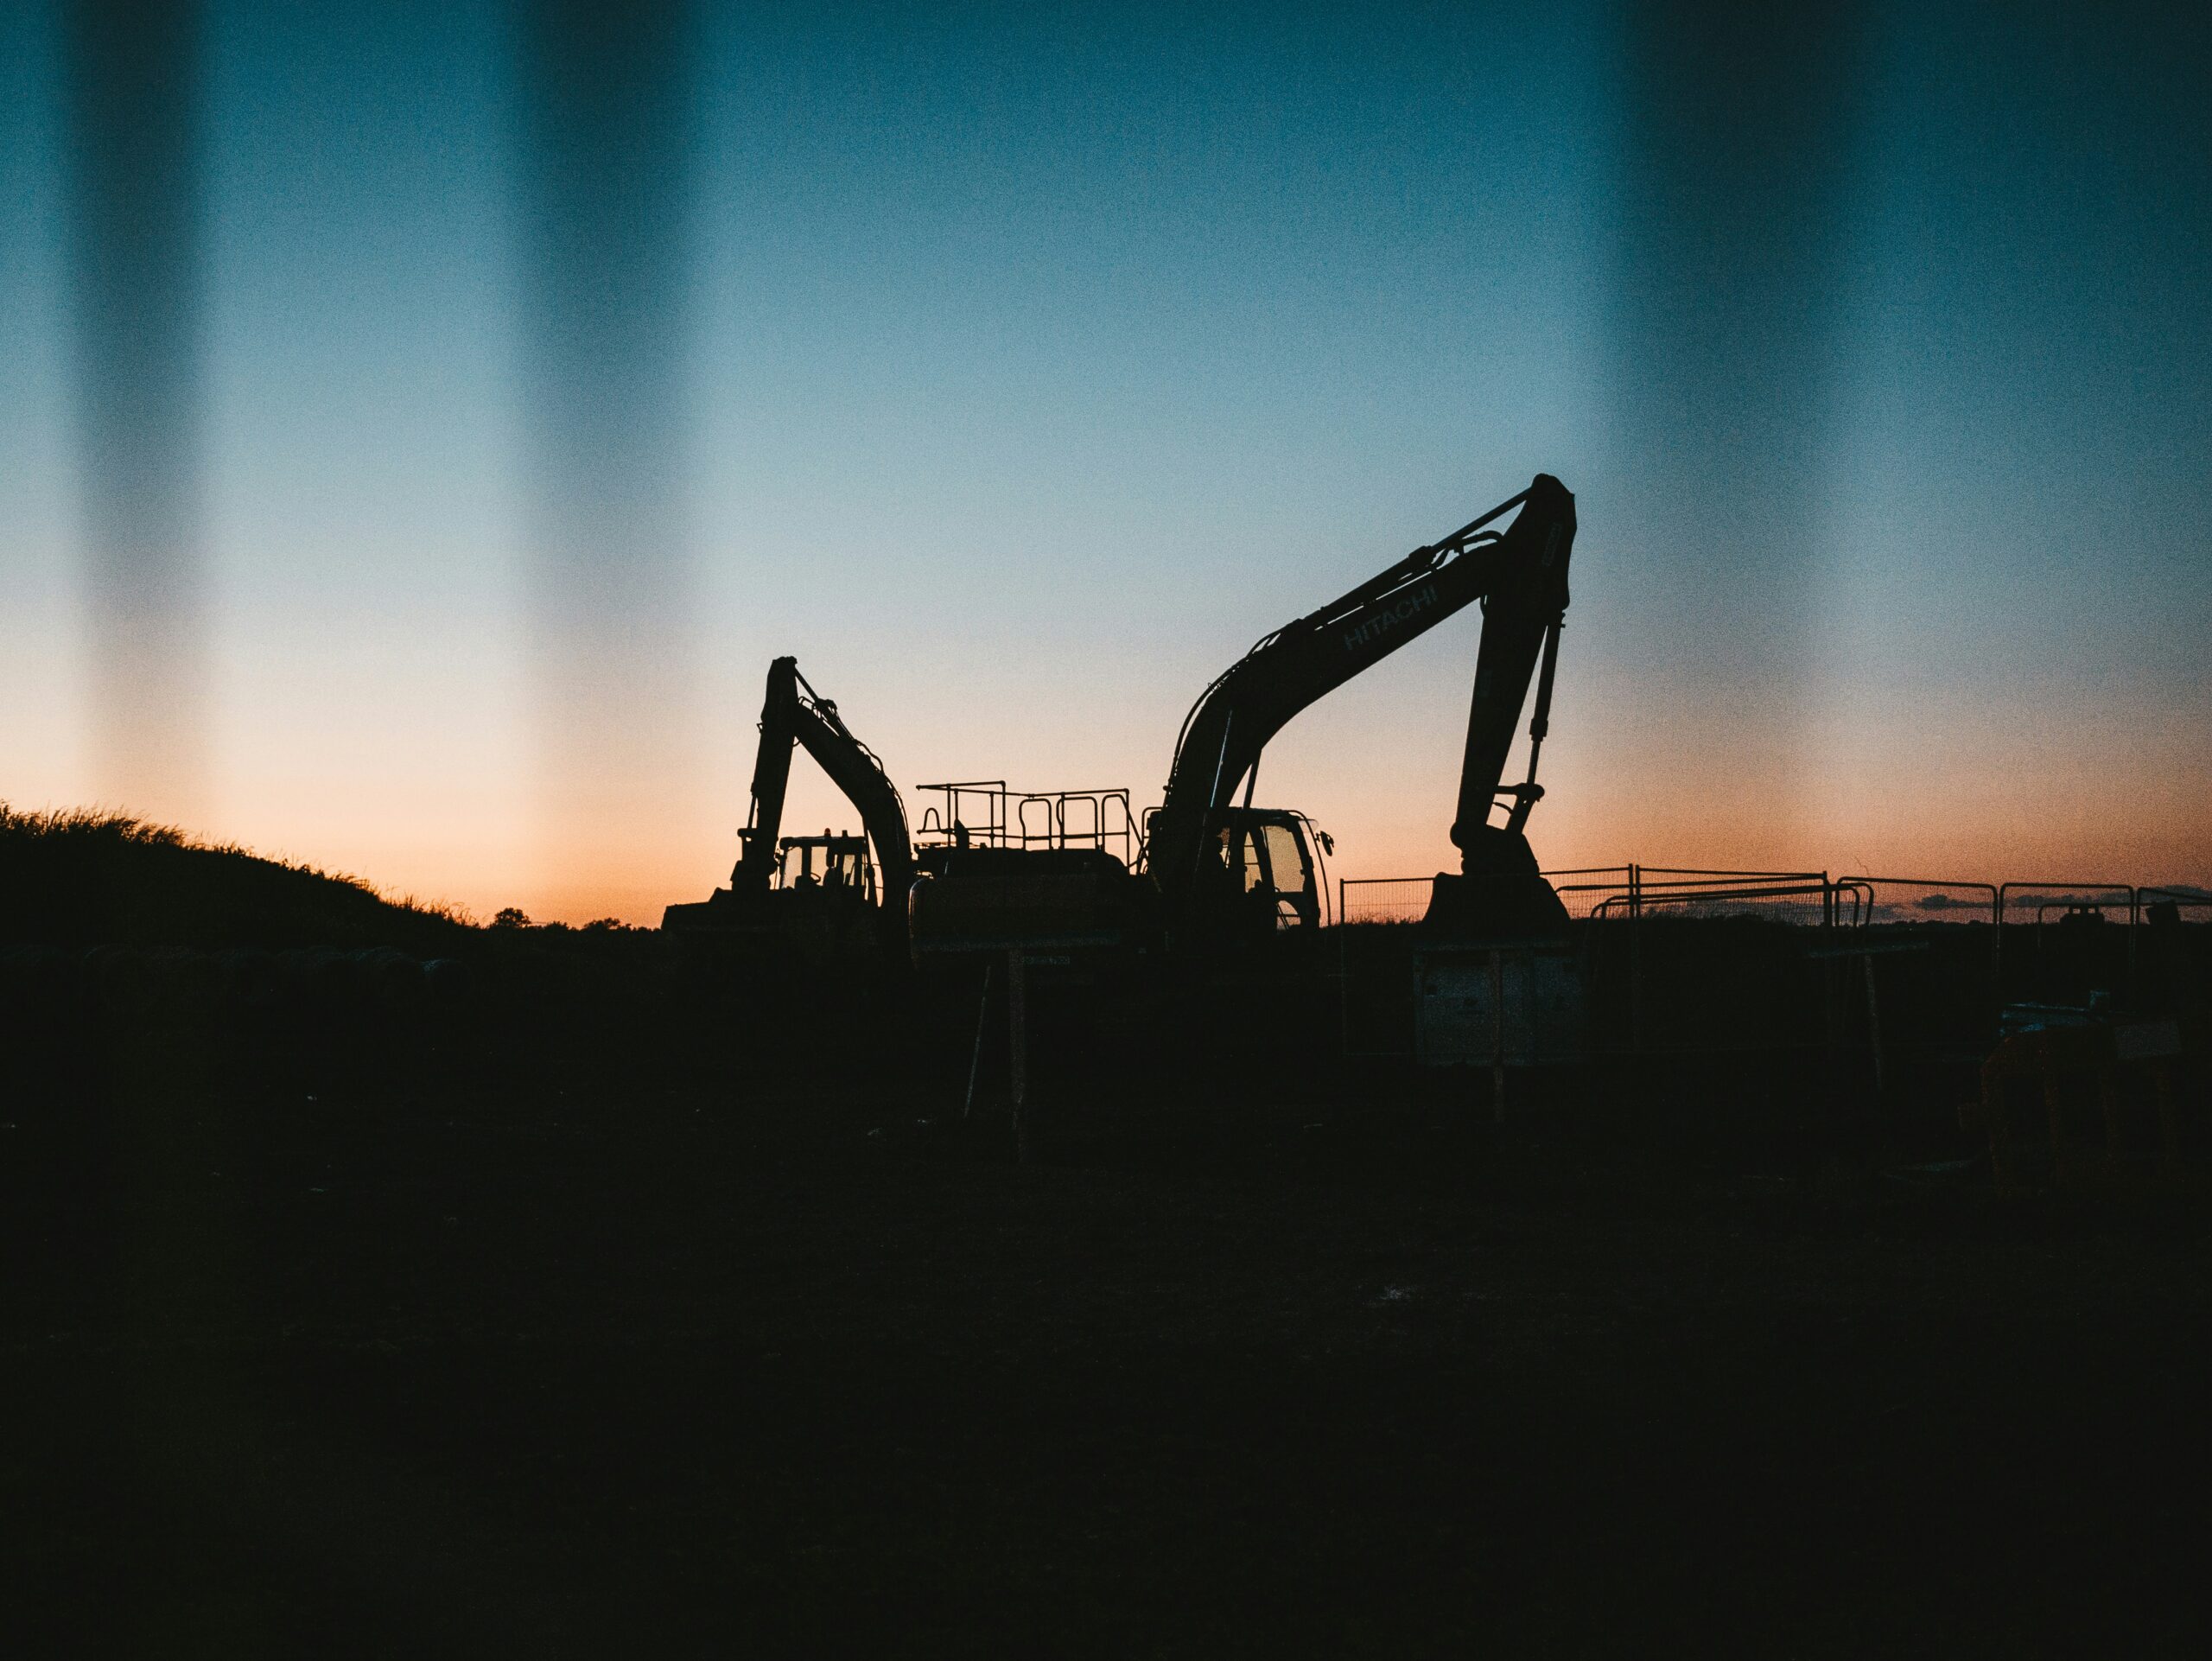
(421, 424)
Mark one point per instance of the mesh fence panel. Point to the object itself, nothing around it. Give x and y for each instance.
(1795, 897)
(2040, 902)
(2193, 905)
(1384, 900)
(1780, 903)
(1612, 891)
(1894, 900)
(1583, 893)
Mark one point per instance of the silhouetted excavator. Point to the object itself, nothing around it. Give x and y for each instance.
(820, 892)
(1217, 870)
(1225, 868)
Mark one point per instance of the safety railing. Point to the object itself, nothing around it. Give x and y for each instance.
(974, 807)
(2070, 965)
(2190, 905)
(1816, 904)
(1626, 890)
(1909, 900)
(1605, 892)
(2032, 901)
(1383, 899)
(989, 815)
(1992, 942)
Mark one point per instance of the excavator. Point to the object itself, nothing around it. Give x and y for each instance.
(1226, 892)
(820, 894)
(1225, 869)
(1219, 874)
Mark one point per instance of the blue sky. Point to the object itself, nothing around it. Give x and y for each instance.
(1016, 372)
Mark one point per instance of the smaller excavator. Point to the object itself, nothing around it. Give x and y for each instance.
(821, 895)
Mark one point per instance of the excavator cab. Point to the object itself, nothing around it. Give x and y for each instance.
(831, 864)
(1265, 879)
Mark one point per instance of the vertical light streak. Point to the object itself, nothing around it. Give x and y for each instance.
(1737, 127)
(132, 77)
(605, 145)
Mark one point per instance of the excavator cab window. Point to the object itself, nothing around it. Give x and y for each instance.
(1251, 862)
(1270, 866)
(847, 868)
(828, 865)
(1290, 871)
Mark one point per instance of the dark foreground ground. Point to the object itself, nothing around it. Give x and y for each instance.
(801, 1377)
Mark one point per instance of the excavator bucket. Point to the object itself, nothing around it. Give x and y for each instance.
(1495, 908)
(1498, 896)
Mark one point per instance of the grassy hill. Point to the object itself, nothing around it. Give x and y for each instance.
(80, 878)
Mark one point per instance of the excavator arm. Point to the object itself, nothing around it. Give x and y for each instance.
(793, 713)
(1520, 573)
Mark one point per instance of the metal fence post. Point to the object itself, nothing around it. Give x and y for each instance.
(1497, 1035)
(1997, 952)
(2134, 912)
(1636, 960)
(1017, 1021)
(975, 1061)
(1874, 1027)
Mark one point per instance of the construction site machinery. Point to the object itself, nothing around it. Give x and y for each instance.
(822, 894)
(1042, 870)
(1226, 870)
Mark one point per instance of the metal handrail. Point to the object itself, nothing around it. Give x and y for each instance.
(2145, 898)
(1631, 886)
(1738, 876)
(1004, 818)
(1989, 888)
(1827, 891)
(1628, 889)
(2005, 888)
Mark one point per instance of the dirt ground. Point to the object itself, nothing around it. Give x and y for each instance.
(783, 1375)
